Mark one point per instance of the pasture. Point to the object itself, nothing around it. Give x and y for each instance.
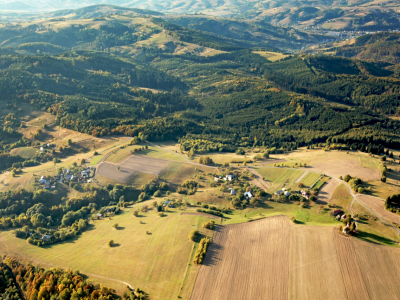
(281, 260)
(25, 152)
(283, 178)
(310, 179)
(271, 56)
(156, 261)
(120, 155)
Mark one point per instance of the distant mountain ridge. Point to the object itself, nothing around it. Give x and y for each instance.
(326, 14)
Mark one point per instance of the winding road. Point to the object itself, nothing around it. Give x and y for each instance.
(344, 182)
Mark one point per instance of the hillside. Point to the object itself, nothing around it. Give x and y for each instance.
(130, 33)
(383, 46)
(331, 15)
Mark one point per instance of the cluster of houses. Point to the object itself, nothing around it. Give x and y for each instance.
(227, 178)
(80, 177)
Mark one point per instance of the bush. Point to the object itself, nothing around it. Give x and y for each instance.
(136, 213)
(193, 235)
(157, 193)
(313, 198)
(115, 226)
(347, 178)
(209, 225)
(161, 214)
(383, 179)
(110, 243)
(293, 219)
(201, 251)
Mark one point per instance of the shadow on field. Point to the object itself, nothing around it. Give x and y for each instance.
(212, 252)
(373, 238)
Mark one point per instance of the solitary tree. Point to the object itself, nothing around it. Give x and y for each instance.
(110, 243)
(136, 213)
(69, 141)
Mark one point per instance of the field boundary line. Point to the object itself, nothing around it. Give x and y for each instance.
(298, 180)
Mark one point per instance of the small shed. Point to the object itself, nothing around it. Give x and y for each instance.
(47, 185)
(46, 237)
(233, 192)
(278, 192)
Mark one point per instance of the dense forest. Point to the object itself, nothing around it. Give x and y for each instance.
(237, 99)
(383, 46)
(37, 283)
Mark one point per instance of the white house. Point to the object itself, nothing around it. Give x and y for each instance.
(229, 177)
(248, 195)
(286, 193)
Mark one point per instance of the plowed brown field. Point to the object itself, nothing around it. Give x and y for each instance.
(247, 261)
(326, 192)
(275, 259)
(314, 268)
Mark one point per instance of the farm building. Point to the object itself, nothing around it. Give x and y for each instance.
(278, 192)
(229, 177)
(69, 177)
(233, 192)
(286, 193)
(46, 237)
(248, 195)
(47, 185)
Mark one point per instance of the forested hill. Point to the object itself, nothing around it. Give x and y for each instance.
(222, 102)
(127, 31)
(383, 46)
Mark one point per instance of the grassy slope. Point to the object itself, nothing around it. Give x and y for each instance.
(153, 152)
(25, 152)
(155, 262)
(287, 175)
(310, 179)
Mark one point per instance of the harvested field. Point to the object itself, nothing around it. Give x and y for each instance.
(314, 267)
(111, 171)
(351, 272)
(377, 265)
(326, 192)
(335, 169)
(273, 258)
(200, 214)
(239, 263)
(378, 206)
(131, 166)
